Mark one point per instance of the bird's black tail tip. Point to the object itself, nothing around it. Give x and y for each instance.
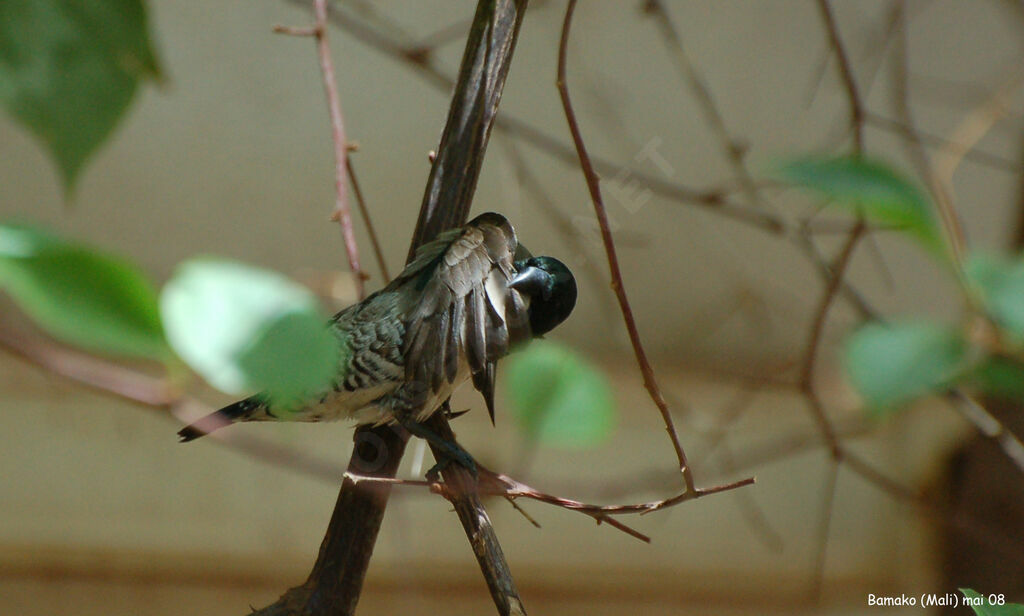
(189, 433)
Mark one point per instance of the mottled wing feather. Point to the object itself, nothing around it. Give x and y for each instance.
(465, 307)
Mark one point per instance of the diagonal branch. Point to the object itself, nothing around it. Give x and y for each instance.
(334, 585)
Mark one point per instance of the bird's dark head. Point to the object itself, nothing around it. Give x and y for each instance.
(551, 288)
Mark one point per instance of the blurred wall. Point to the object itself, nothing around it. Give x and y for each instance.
(106, 513)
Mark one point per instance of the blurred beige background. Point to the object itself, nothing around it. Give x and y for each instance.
(105, 513)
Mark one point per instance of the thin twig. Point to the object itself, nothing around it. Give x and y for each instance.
(810, 356)
(618, 286)
(498, 484)
(422, 61)
(975, 155)
(734, 150)
(342, 213)
(824, 527)
(846, 73)
(365, 213)
(975, 125)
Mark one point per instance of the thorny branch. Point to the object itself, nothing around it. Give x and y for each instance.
(498, 484)
(342, 213)
(593, 185)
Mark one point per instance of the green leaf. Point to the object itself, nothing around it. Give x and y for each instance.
(1002, 377)
(559, 398)
(872, 188)
(893, 364)
(1000, 283)
(292, 358)
(245, 329)
(80, 295)
(984, 608)
(69, 69)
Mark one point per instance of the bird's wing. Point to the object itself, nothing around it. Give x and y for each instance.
(465, 309)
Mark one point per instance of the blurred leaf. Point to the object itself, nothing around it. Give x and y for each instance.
(893, 364)
(1000, 282)
(987, 609)
(80, 295)
(558, 398)
(245, 329)
(998, 376)
(872, 188)
(292, 357)
(69, 68)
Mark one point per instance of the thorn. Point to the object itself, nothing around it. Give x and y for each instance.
(352, 146)
(296, 31)
(431, 155)
(335, 216)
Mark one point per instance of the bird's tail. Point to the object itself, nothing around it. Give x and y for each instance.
(243, 410)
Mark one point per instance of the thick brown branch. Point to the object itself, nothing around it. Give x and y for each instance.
(335, 583)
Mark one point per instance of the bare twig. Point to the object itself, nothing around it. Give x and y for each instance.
(423, 62)
(365, 213)
(498, 484)
(342, 213)
(810, 356)
(971, 129)
(593, 185)
(975, 155)
(846, 73)
(734, 150)
(828, 501)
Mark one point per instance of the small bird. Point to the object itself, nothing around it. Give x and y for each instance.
(466, 299)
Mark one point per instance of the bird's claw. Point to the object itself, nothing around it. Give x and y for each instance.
(450, 450)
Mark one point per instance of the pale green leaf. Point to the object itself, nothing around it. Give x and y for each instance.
(245, 329)
(1000, 284)
(891, 364)
(559, 398)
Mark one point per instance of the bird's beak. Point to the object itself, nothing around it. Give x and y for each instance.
(532, 281)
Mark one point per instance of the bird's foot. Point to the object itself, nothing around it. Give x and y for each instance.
(451, 450)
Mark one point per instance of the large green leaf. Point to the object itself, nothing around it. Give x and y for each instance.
(870, 188)
(69, 68)
(982, 605)
(80, 295)
(245, 329)
(895, 363)
(1000, 283)
(559, 398)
